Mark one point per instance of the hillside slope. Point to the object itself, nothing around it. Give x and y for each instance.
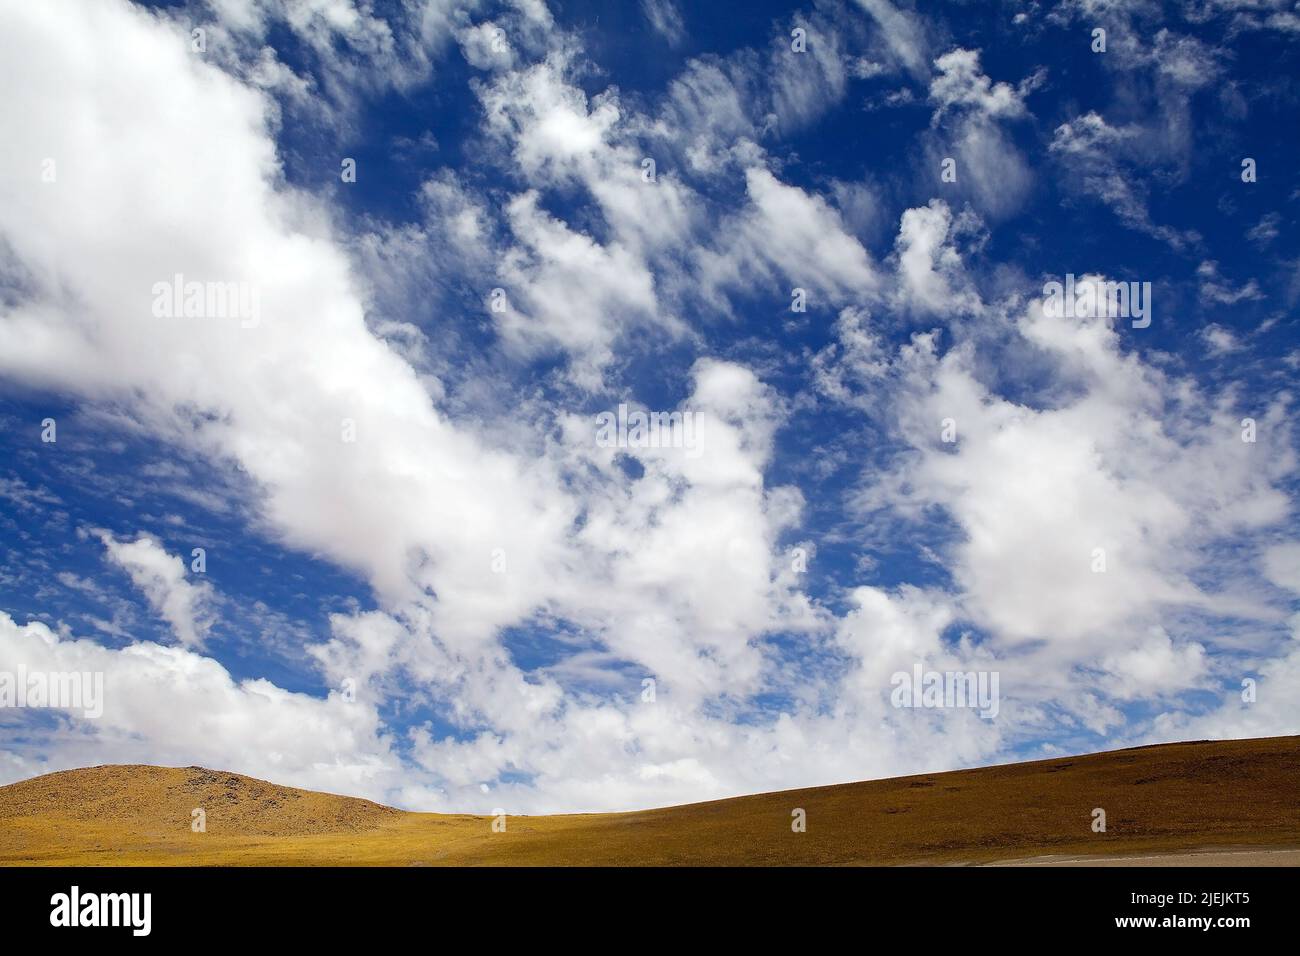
(1172, 798)
(144, 799)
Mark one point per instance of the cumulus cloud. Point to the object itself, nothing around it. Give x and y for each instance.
(203, 381)
(960, 83)
(1078, 516)
(931, 274)
(1282, 565)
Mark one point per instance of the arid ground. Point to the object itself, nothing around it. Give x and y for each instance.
(1234, 802)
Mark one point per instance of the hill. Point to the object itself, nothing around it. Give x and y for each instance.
(1168, 799)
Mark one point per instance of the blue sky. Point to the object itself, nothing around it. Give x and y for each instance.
(425, 580)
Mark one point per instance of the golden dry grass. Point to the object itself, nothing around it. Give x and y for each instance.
(1171, 798)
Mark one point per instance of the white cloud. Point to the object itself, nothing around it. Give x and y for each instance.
(1266, 230)
(1098, 152)
(990, 171)
(788, 233)
(1216, 290)
(1083, 520)
(557, 137)
(1154, 668)
(487, 46)
(250, 395)
(186, 606)
(960, 83)
(710, 107)
(1282, 565)
(1219, 341)
(573, 292)
(1269, 711)
(931, 275)
(903, 32)
(665, 19)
